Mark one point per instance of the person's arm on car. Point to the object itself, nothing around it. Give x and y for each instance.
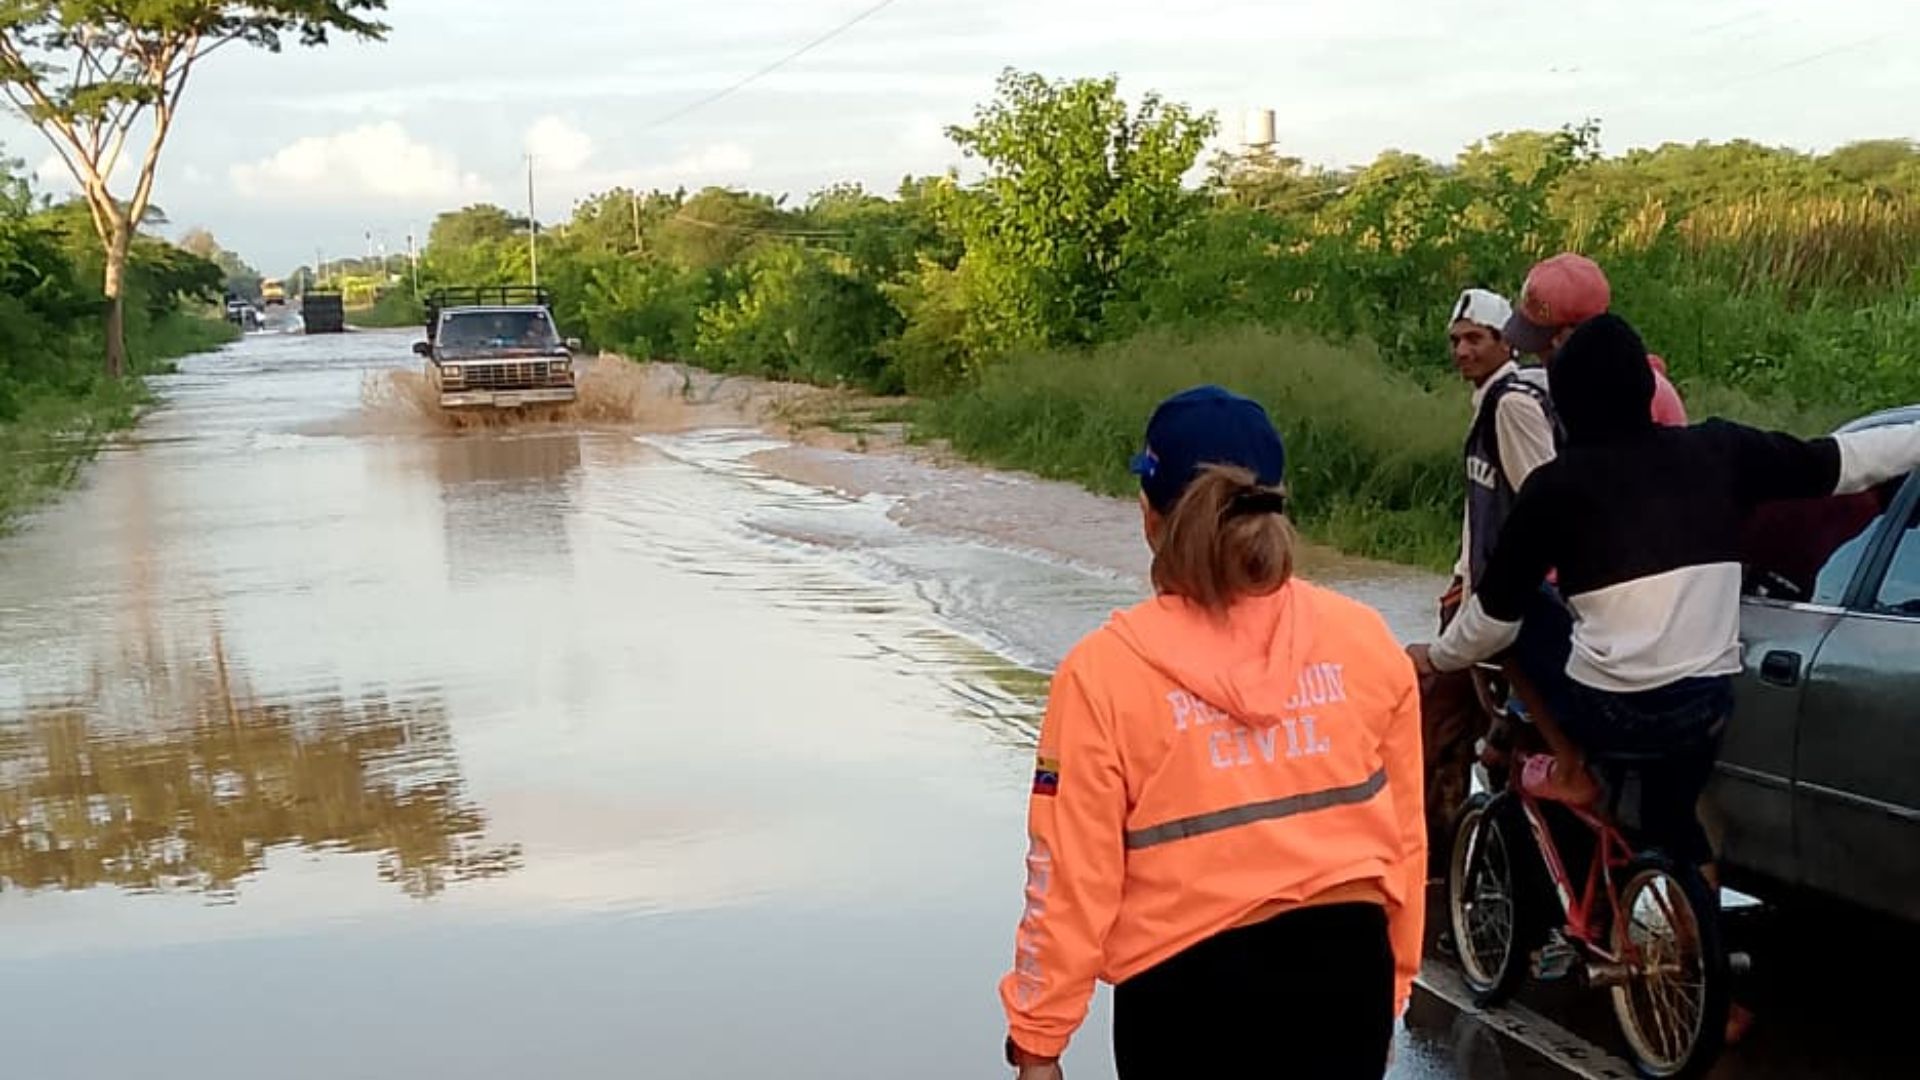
(1771, 465)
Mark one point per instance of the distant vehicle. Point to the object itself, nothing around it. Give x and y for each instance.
(243, 314)
(496, 347)
(323, 313)
(1819, 780)
(273, 291)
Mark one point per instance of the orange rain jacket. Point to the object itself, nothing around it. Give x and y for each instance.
(1199, 774)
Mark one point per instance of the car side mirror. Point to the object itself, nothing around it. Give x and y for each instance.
(573, 344)
(423, 348)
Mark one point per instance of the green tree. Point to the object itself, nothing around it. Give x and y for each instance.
(92, 75)
(623, 220)
(477, 245)
(801, 315)
(882, 238)
(1079, 188)
(1888, 167)
(718, 227)
(473, 225)
(241, 279)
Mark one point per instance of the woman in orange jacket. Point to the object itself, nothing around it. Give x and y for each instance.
(1226, 820)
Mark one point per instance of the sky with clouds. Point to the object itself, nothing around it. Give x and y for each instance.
(314, 149)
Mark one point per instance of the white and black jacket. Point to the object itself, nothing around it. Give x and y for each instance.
(1644, 533)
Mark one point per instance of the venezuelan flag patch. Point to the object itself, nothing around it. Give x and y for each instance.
(1046, 777)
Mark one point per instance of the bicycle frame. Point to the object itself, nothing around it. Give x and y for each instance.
(1611, 853)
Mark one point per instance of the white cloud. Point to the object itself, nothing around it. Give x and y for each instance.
(52, 176)
(559, 146)
(721, 163)
(375, 160)
(718, 160)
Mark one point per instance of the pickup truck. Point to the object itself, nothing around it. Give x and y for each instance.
(1818, 789)
(495, 347)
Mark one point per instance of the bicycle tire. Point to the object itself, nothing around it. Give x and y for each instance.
(1654, 1054)
(1491, 864)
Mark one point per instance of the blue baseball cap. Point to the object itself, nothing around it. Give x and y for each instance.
(1206, 425)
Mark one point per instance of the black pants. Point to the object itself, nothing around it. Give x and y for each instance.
(1306, 994)
(1668, 738)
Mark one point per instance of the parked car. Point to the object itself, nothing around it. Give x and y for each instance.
(1819, 779)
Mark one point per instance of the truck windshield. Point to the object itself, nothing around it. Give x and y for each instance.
(497, 330)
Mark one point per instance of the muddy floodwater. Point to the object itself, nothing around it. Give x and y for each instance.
(338, 746)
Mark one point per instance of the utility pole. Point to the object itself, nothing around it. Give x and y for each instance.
(413, 256)
(634, 195)
(533, 228)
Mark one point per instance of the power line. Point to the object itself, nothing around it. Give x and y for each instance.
(735, 87)
(1804, 61)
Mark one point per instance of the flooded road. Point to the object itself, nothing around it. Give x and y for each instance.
(341, 749)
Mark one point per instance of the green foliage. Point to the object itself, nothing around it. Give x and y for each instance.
(103, 80)
(1046, 302)
(1079, 191)
(1374, 457)
(394, 309)
(477, 224)
(716, 228)
(55, 403)
(241, 280)
(800, 316)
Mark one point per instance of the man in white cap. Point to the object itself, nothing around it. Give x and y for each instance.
(1514, 432)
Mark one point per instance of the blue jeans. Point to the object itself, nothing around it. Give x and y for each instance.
(1669, 736)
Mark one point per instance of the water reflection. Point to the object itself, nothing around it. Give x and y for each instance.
(506, 500)
(179, 777)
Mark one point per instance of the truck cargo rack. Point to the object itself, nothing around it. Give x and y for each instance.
(488, 295)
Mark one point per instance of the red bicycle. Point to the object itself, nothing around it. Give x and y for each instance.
(1646, 926)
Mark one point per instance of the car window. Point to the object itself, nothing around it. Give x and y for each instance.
(497, 329)
(1807, 550)
(1900, 590)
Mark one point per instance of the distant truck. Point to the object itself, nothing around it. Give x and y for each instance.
(495, 347)
(323, 313)
(272, 291)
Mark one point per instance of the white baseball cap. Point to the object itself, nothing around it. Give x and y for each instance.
(1483, 308)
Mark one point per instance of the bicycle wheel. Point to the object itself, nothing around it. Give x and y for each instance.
(1672, 1008)
(1494, 925)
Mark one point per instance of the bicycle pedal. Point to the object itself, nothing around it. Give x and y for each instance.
(1553, 962)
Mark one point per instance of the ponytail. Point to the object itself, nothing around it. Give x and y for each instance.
(1226, 539)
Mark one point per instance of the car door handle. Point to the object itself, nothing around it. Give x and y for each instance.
(1781, 668)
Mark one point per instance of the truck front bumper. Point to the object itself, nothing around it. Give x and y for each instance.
(506, 399)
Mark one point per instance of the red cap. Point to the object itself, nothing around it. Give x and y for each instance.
(1563, 291)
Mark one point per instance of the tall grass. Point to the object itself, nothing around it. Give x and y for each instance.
(1805, 248)
(1373, 458)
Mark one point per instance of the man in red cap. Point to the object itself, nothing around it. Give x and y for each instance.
(1560, 294)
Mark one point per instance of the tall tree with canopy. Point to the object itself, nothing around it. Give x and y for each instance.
(101, 77)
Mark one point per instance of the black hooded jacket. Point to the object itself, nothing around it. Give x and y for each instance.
(1643, 523)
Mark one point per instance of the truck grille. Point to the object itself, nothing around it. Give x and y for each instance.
(518, 375)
